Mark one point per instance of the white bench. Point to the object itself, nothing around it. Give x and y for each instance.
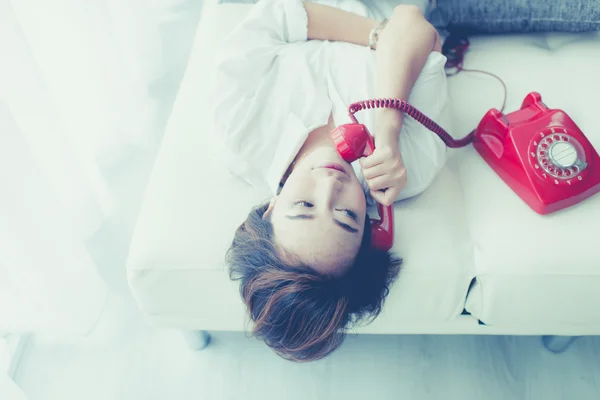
(477, 259)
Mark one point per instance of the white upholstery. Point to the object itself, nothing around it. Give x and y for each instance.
(467, 226)
(531, 268)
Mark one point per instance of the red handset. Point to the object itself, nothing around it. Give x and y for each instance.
(354, 141)
(539, 152)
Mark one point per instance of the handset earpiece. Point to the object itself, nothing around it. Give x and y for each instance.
(352, 141)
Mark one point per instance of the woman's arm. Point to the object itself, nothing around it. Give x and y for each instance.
(402, 51)
(329, 23)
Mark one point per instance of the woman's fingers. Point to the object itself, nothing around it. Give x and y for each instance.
(380, 182)
(378, 157)
(385, 190)
(384, 181)
(373, 172)
(386, 198)
(391, 195)
(384, 174)
(379, 197)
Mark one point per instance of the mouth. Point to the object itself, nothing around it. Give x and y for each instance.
(334, 166)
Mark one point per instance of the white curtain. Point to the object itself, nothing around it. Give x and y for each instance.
(9, 390)
(79, 82)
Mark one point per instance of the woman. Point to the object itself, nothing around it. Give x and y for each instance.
(285, 78)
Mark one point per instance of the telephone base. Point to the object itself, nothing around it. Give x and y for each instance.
(541, 154)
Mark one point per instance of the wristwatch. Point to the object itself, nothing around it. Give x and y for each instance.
(374, 34)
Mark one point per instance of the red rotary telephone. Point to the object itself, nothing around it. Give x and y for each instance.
(539, 152)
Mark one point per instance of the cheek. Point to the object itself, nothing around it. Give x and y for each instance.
(358, 197)
(296, 185)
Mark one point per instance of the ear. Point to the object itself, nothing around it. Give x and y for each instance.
(270, 208)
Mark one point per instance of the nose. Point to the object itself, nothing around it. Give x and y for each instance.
(329, 187)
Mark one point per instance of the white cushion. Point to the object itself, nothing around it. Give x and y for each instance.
(192, 206)
(530, 268)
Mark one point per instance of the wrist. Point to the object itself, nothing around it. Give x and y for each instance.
(375, 33)
(388, 124)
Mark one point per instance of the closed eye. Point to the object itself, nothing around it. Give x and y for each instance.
(342, 225)
(303, 203)
(349, 213)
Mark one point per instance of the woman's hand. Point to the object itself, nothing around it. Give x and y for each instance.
(384, 172)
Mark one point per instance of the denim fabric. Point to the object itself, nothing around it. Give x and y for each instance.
(505, 16)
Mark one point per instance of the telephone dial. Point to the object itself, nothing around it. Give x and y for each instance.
(539, 152)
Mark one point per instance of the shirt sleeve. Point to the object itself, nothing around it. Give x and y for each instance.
(246, 104)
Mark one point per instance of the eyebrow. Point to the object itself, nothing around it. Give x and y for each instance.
(342, 225)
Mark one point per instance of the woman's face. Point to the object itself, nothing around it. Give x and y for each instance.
(319, 215)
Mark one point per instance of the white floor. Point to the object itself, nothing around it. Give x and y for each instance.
(127, 359)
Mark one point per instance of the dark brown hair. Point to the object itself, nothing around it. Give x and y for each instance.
(301, 314)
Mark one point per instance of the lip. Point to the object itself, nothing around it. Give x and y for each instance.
(334, 166)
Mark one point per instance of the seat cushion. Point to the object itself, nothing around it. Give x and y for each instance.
(193, 205)
(530, 268)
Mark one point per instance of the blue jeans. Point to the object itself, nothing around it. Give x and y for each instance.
(512, 16)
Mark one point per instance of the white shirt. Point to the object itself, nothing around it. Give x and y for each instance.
(273, 87)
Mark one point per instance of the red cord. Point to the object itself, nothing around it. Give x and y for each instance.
(455, 47)
(415, 114)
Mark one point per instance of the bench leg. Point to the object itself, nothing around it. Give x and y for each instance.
(196, 340)
(557, 344)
